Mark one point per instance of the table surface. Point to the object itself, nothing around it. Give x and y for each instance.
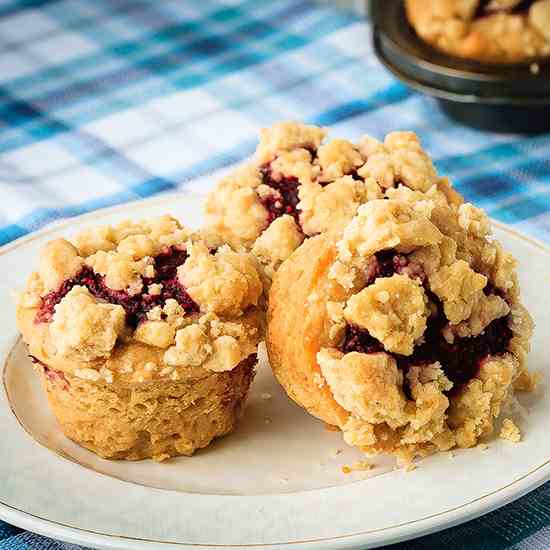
(110, 101)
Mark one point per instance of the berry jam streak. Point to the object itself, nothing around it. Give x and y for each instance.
(54, 376)
(287, 202)
(388, 262)
(460, 360)
(136, 306)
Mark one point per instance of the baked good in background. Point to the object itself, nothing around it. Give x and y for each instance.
(297, 186)
(407, 331)
(496, 31)
(145, 335)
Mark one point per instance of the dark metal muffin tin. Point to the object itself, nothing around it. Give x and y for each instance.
(488, 96)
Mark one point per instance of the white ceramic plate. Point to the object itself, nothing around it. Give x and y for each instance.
(275, 483)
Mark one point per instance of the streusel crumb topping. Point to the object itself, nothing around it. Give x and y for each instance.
(152, 283)
(286, 136)
(226, 282)
(320, 185)
(277, 243)
(84, 327)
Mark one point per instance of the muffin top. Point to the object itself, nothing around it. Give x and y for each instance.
(297, 186)
(500, 31)
(141, 301)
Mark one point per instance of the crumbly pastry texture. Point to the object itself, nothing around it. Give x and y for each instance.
(500, 31)
(146, 334)
(406, 331)
(298, 185)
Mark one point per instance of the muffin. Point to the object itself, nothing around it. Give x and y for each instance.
(407, 332)
(296, 187)
(496, 31)
(145, 335)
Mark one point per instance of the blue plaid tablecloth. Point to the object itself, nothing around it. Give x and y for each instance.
(110, 101)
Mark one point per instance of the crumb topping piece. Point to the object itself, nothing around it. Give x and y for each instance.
(539, 17)
(380, 225)
(234, 210)
(366, 385)
(277, 243)
(85, 328)
(59, 260)
(338, 158)
(286, 136)
(328, 208)
(215, 344)
(459, 287)
(399, 159)
(393, 310)
(226, 282)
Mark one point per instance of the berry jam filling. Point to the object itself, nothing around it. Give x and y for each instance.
(288, 201)
(388, 262)
(167, 262)
(136, 306)
(287, 186)
(357, 339)
(54, 376)
(460, 360)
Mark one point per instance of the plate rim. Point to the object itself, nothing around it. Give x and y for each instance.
(399, 532)
(402, 532)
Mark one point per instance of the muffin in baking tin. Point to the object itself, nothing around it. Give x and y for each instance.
(145, 335)
(496, 31)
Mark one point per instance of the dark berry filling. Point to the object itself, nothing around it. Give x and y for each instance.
(312, 151)
(460, 360)
(481, 8)
(167, 262)
(54, 376)
(287, 199)
(360, 340)
(50, 300)
(136, 306)
(388, 262)
(524, 6)
(287, 202)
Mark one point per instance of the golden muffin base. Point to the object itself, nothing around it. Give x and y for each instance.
(151, 420)
(132, 420)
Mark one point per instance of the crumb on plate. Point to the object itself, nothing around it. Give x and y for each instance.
(510, 431)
